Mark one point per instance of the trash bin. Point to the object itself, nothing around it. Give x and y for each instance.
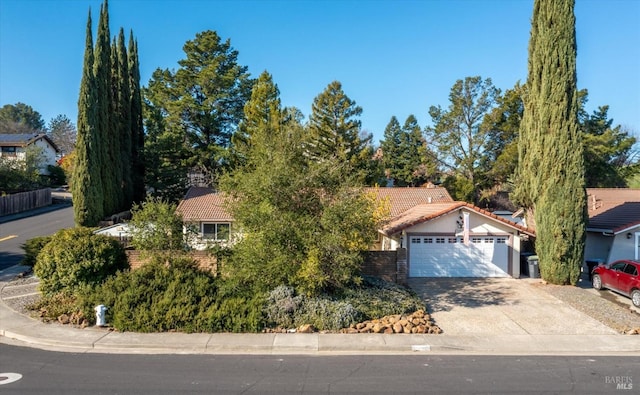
(534, 270)
(524, 264)
(592, 264)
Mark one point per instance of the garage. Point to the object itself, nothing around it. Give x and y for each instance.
(449, 256)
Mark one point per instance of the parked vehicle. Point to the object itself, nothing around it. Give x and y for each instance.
(619, 276)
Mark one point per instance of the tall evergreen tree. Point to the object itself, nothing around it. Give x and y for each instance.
(335, 131)
(551, 168)
(137, 131)
(113, 138)
(262, 117)
(124, 122)
(86, 184)
(104, 127)
(390, 146)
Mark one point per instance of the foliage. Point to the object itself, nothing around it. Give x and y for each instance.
(192, 112)
(53, 306)
(172, 294)
(20, 118)
(77, 257)
(57, 175)
(550, 173)
(21, 175)
(405, 156)
(137, 130)
(458, 132)
(86, 183)
(303, 221)
(103, 171)
(374, 298)
(32, 248)
(155, 225)
(334, 132)
(63, 133)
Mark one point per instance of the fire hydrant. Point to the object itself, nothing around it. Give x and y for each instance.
(101, 312)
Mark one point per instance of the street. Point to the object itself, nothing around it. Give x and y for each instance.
(38, 372)
(14, 233)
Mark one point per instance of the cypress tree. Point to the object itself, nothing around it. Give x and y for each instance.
(104, 126)
(86, 183)
(124, 122)
(137, 131)
(113, 136)
(551, 169)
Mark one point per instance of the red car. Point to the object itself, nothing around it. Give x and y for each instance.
(619, 276)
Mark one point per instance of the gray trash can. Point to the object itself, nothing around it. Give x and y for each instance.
(534, 270)
(592, 264)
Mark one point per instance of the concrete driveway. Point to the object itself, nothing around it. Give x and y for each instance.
(507, 306)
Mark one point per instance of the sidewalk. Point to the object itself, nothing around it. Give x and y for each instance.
(57, 337)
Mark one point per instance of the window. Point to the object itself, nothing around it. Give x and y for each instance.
(476, 240)
(217, 232)
(440, 240)
(415, 240)
(618, 267)
(501, 240)
(630, 269)
(453, 240)
(489, 240)
(428, 240)
(8, 151)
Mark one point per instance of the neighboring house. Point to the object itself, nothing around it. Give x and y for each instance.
(613, 231)
(15, 146)
(202, 209)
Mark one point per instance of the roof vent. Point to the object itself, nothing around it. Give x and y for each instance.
(429, 199)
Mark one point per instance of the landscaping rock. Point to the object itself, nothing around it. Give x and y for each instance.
(418, 322)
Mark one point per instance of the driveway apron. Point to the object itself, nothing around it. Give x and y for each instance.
(504, 306)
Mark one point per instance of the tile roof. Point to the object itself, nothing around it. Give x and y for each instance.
(426, 212)
(203, 204)
(613, 209)
(403, 199)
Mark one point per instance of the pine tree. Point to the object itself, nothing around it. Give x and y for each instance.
(86, 185)
(391, 148)
(104, 127)
(551, 168)
(124, 122)
(262, 117)
(137, 132)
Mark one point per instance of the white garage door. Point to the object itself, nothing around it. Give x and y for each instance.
(440, 256)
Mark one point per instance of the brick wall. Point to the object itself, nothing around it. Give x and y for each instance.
(388, 265)
(205, 261)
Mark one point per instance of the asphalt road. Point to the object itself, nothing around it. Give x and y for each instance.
(14, 233)
(39, 372)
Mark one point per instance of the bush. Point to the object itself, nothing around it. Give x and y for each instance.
(375, 298)
(77, 257)
(172, 293)
(57, 176)
(32, 248)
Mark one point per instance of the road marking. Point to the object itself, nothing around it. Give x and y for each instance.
(8, 237)
(21, 296)
(6, 378)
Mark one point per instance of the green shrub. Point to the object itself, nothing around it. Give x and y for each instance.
(57, 176)
(172, 293)
(32, 248)
(77, 257)
(374, 298)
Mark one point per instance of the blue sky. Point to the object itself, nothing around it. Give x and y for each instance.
(392, 57)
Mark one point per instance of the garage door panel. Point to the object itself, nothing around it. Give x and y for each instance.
(485, 256)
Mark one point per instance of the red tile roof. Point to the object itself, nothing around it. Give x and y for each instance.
(403, 199)
(426, 212)
(203, 204)
(613, 209)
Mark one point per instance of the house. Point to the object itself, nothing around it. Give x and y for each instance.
(613, 230)
(14, 146)
(202, 210)
(442, 238)
(454, 239)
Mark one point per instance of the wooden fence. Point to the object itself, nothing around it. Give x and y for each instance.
(23, 201)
